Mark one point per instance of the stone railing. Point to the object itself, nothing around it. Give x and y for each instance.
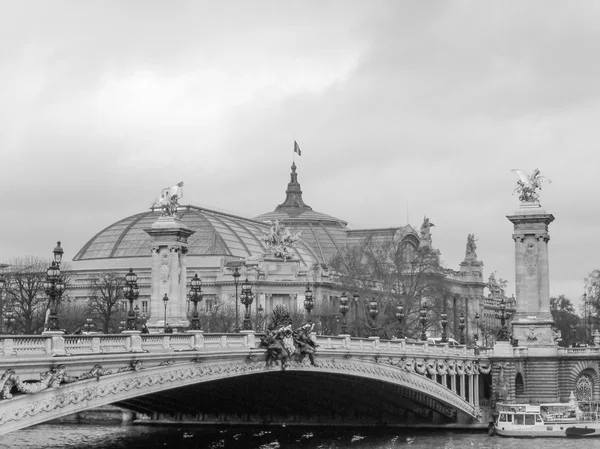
(59, 344)
(585, 350)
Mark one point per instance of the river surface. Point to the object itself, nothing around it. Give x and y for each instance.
(83, 436)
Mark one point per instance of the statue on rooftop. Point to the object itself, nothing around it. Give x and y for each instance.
(280, 240)
(425, 231)
(168, 199)
(528, 184)
(471, 247)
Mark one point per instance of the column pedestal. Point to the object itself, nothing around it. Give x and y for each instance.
(169, 274)
(532, 323)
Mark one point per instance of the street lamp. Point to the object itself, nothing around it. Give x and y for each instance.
(259, 313)
(2, 284)
(373, 312)
(88, 325)
(444, 322)
(195, 296)
(476, 333)
(400, 316)
(461, 326)
(132, 292)
(165, 301)
(585, 317)
(309, 303)
(9, 320)
(247, 298)
(236, 276)
(356, 298)
(503, 316)
(343, 310)
(54, 287)
(423, 320)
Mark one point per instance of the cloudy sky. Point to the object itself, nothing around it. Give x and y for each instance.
(418, 106)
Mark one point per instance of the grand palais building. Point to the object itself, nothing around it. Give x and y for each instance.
(222, 241)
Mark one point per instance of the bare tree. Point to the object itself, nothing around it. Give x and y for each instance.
(25, 294)
(391, 271)
(107, 290)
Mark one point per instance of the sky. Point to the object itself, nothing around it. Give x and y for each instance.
(401, 108)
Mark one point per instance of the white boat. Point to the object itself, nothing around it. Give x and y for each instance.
(572, 419)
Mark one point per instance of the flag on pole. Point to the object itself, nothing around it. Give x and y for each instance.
(297, 148)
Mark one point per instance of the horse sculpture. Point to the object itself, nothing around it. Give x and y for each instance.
(284, 345)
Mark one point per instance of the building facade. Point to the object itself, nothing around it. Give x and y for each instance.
(221, 243)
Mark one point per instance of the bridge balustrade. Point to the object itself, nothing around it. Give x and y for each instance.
(35, 345)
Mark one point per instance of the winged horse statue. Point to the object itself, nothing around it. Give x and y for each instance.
(168, 199)
(528, 184)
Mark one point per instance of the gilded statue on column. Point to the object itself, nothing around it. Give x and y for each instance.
(527, 185)
(168, 200)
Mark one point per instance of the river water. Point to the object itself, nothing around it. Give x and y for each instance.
(83, 436)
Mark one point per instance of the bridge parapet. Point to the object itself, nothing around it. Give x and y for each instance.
(40, 345)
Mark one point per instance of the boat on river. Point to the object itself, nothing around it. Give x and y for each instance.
(573, 419)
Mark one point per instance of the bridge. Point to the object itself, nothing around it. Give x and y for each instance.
(204, 377)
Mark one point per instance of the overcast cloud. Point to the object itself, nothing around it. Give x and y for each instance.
(423, 106)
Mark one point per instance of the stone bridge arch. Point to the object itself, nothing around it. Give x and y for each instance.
(129, 388)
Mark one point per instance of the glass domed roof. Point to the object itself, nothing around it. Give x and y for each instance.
(216, 233)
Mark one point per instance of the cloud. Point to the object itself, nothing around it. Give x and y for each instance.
(401, 109)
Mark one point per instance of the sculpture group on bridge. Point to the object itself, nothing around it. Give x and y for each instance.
(283, 344)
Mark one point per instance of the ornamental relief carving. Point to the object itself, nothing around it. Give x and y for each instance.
(530, 258)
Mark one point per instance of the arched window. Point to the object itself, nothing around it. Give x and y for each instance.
(519, 386)
(584, 388)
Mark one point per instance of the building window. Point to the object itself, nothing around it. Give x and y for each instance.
(209, 304)
(144, 306)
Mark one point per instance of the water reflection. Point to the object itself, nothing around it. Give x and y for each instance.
(150, 437)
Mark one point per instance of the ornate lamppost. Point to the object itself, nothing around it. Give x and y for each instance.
(356, 298)
(444, 322)
(343, 310)
(373, 312)
(2, 284)
(503, 316)
(461, 327)
(88, 325)
(247, 298)
(9, 320)
(400, 316)
(309, 303)
(54, 287)
(195, 296)
(132, 292)
(259, 312)
(423, 320)
(476, 333)
(165, 301)
(236, 277)
(585, 318)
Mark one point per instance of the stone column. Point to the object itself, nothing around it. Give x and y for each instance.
(453, 383)
(169, 273)
(532, 321)
(462, 386)
(471, 390)
(476, 390)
